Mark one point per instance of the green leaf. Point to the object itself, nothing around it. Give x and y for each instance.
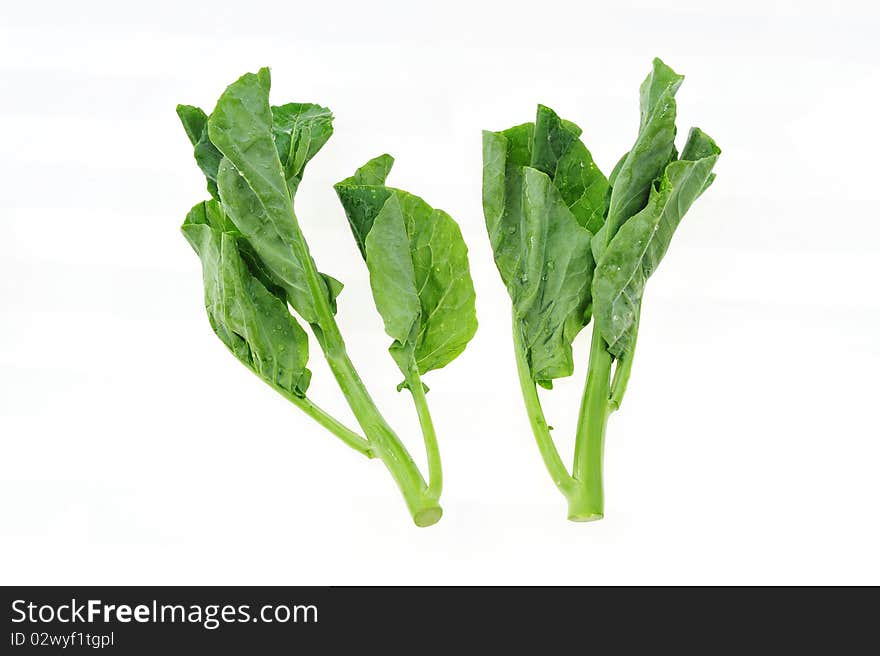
(541, 193)
(418, 267)
(248, 318)
(552, 138)
(636, 250)
(652, 151)
(269, 243)
(661, 82)
(613, 177)
(195, 123)
(551, 294)
(597, 244)
(374, 172)
(421, 282)
(558, 152)
(241, 128)
(363, 195)
(392, 274)
(300, 130)
(504, 156)
(254, 189)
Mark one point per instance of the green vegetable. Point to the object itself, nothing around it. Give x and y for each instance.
(256, 266)
(571, 244)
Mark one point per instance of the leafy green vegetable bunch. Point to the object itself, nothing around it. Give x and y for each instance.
(571, 245)
(256, 267)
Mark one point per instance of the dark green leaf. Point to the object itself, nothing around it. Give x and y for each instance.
(300, 130)
(392, 275)
(552, 291)
(421, 282)
(418, 268)
(597, 244)
(363, 195)
(253, 186)
(613, 177)
(552, 138)
(195, 123)
(661, 82)
(268, 244)
(558, 152)
(374, 172)
(253, 322)
(504, 156)
(652, 151)
(541, 189)
(639, 245)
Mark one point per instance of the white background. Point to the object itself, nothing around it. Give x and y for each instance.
(135, 449)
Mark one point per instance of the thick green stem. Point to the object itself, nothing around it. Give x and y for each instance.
(432, 448)
(424, 509)
(587, 503)
(541, 430)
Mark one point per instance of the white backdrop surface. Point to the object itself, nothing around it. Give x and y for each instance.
(134, 449)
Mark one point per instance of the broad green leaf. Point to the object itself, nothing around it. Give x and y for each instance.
(209, 213)
(541, 192)
(374, 172)
(268, 245)
(640, 243)
(598, 243)
(652, 151)
(552, 138)
(613, 177)
(212, 214)
(254, 188)
(300, 130)
(551, 295)
(241, 128)
(504, 156)
(195, 123)
(698, 146)
(421, 282)
(558, 152)
(363, 195)
(248, 318)
(418, 267)
(661, 81)
(392, 275)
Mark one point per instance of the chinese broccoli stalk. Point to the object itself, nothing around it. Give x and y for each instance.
(571, 245)
(256, 266)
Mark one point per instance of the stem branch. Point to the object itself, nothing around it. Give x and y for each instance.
(424, 509)
(435, 470)
(622, 371)
(541, 430)
(332, 424)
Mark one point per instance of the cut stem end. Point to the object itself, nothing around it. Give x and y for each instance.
(584, 517)
(586, 505)
(428, 516)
